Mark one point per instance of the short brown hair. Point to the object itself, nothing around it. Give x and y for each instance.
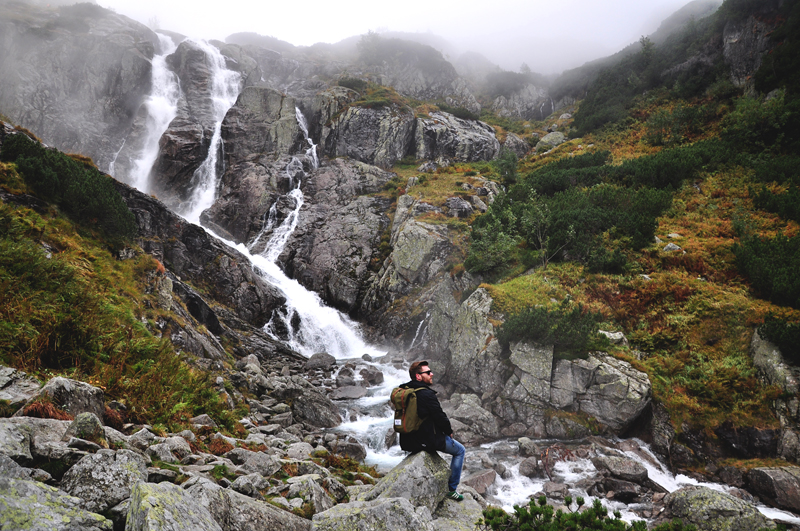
(413, 371)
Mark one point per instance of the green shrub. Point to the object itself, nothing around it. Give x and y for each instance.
(780, 169)
(354, 83)
(771, 266)
(542, 517)
(506, 166)
(492, 246)
(671, 127)
(82, 192)
(550, 181)
(568, 327)
(786, 205)
(756, 126)
(458, 112)
(601, 260)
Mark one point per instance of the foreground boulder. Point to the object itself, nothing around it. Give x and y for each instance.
(164, 506)
(237, 512)
(711, 510)
(105, 478)
(420, 478)
(33, 506)
(389, 514)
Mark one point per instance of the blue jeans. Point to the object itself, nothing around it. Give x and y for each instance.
(457, 450)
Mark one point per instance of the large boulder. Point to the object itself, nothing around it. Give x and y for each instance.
(254, 462)
(780, 486)
(389, 514)
(550, 140)
(420, 478)
(458, 516)
(309, 489)
(444, 138)
(167, 507)
(621, 468)
(34, 506)
(105, 478)
(16, 387)
(481, 425)
(15, 442)
(606, 388)
(237, 512)
(73, 396)
(309, 404)
(378, 136)
(516, 145)
(711, 510)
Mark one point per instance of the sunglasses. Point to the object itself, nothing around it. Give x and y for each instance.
(425, 372)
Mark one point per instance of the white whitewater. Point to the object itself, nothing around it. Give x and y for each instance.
(517, 489)
(162, 107)
(224, 91)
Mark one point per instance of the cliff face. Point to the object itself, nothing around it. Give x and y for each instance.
(74, 75)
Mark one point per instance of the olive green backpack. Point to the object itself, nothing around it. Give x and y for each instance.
(404, 401)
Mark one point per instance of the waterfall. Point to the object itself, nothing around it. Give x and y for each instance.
(162, 107)
(139, 150)
(312, 150)
(224, 91)
(419, 329)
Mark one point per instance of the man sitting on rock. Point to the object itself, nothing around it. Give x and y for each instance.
(435, 433)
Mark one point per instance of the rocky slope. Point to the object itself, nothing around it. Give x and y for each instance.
(96, 477)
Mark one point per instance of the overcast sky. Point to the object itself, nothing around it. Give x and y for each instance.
(550, 35)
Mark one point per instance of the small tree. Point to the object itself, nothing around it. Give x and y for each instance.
(647, 48)
(536, 220)
(506, 166)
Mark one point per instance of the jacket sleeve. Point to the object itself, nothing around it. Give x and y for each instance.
(433, 410)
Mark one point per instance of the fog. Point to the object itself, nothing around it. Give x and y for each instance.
(549, 36)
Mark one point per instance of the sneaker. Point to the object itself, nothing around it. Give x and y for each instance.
(453, 495)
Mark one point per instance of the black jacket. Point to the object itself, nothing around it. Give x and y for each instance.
(430, 436)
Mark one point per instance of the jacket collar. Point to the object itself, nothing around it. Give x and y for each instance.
(414, 384)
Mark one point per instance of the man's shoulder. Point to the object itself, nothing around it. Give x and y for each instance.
(419, 386)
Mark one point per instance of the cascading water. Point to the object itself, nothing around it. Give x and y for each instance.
(224, 91)
(162, 107)
(140, 150)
